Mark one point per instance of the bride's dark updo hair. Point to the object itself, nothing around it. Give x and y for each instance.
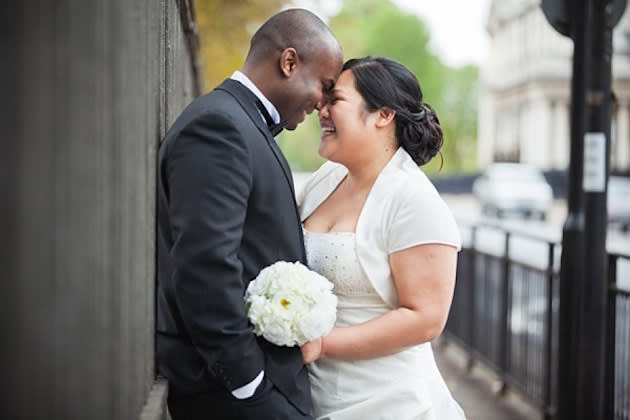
(383, 82)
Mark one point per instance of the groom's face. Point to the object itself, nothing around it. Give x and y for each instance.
(307, 89)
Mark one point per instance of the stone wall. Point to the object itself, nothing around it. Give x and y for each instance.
(89, 88)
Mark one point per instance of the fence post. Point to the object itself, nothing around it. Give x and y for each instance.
(549, 410)
(504, 341)
(609, 351)
(471, 297)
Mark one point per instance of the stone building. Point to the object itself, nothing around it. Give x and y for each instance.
(524, 107)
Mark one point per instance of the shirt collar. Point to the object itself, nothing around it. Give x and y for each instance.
(241, 77)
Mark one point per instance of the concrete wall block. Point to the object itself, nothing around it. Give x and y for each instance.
(155, 407)
(88, 95)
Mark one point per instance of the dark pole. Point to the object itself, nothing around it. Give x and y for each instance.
(572, 258)
(592, 337)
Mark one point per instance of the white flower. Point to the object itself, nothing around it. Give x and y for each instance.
(288, 304)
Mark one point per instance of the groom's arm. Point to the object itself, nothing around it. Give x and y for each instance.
(209, 181)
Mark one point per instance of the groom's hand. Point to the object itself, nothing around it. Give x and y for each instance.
(312, 350)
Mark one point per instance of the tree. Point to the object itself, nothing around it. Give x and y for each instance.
(459, 116)
(225, 27)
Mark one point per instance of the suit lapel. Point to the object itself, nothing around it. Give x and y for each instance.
(247, 100)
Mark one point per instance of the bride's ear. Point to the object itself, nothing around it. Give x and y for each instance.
(384, 117)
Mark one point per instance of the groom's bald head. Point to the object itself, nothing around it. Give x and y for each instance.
(292, 28)
(294, 60)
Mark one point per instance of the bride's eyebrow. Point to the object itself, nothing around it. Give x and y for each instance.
(331, 93)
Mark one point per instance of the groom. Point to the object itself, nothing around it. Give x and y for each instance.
(226, 210)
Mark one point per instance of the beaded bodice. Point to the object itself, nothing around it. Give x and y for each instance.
(334, 256)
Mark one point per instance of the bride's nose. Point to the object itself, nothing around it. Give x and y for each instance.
(324, 112)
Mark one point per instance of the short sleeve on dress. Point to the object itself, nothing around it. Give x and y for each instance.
(420, 216)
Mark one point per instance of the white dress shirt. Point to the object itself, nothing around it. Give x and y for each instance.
(271, 109)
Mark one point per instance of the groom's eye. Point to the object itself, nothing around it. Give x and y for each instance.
(328, 88)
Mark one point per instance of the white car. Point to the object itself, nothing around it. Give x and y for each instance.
(513, 188)
(618, 202)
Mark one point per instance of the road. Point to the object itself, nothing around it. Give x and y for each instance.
(534, 252)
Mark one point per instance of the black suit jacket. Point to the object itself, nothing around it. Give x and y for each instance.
(226, 210)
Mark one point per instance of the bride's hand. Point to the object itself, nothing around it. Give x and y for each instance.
(312, 350)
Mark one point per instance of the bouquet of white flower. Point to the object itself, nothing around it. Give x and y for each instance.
(288, 304)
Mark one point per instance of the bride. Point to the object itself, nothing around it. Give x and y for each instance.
(377, 228)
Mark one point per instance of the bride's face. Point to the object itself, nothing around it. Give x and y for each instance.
(347, 126)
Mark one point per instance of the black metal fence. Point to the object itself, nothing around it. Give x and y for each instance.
(505, 313)
(618, 340)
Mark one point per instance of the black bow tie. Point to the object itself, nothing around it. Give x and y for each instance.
(273, 127)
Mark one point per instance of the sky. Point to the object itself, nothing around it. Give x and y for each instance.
(457, 27)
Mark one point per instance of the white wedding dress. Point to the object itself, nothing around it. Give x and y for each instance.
(403, 386)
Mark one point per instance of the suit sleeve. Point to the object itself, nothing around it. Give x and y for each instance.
(209, 181)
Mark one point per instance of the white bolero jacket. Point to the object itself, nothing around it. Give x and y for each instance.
(403, 209)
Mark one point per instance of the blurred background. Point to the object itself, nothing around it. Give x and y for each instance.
(496, 72)
(89, 88)
(447, 70)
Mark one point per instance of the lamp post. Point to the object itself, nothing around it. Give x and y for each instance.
(572, 22)
(592, 323)
(583, 287)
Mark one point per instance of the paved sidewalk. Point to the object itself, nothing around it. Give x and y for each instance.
(473, 390)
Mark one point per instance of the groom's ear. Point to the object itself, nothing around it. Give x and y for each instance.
(384, 117)
(289, 62)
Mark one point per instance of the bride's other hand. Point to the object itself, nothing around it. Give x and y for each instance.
(312, 350)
